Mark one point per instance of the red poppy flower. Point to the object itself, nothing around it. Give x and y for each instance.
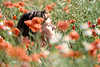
(50, 7)
(2, 27)
(94, 33)
(16, 5)
(25, 11)
(59, 47)
(21, 4)
(38, 20)
(66, 9)
(98, 21)
(37, 26)
(16, 31)
(25, 58)
(14, 17)
(97, 65)
(32, 43)
(6, 65)
(34, 24)
(92, 52)
(77, 54)
(4, 44)
(73, 27)
(62, 25)
(89, 24)
(71, 21)
(8, 4)
(69, 1)
(26, 40)
(9, 23)
(19, 53)
(74, 35)
(28, 22)
(0, 15)
(21, 9)
(1, 39)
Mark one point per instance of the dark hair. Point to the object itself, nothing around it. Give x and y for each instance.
(28, 16)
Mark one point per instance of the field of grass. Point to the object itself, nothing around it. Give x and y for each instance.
(74, 43)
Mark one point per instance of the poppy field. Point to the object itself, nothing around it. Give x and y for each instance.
(62, 33)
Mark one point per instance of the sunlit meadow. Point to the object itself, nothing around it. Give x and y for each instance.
(75, 41)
